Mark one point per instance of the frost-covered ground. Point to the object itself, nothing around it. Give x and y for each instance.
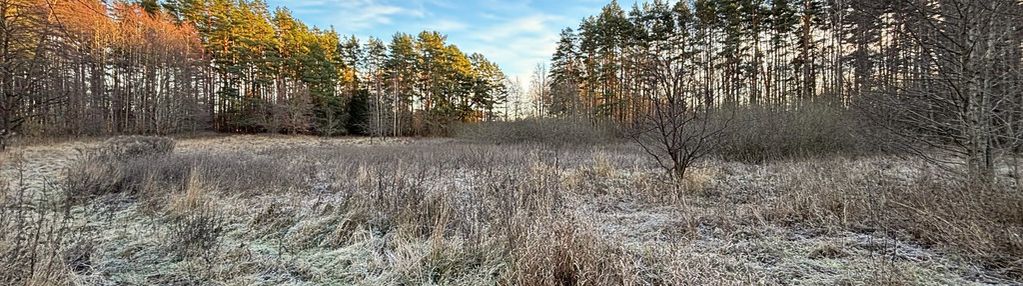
(275, 210)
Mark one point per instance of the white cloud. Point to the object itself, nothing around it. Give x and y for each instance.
(446, 25)
(523, 26)
(355, 15)
(517, 44)
(517, 35)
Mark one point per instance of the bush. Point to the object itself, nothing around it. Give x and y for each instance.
(982, 223)
(197, 233)
(35, 234)
(756, 135)
(119, 164)
(152, 178)
(136, 146)
(559, 131)
(90, 177)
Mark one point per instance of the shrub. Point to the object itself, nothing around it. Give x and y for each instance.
(757, 135)
(982, 223)
(35, 233)
(108, 171)
(152, 178)
(91, 176)
(197, 233)
(558, 131)
(136, 146)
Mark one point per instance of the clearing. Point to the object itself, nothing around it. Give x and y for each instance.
(277, 210)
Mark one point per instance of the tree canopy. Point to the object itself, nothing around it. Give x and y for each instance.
(156, 67)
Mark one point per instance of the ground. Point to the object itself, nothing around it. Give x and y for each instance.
(316, 211)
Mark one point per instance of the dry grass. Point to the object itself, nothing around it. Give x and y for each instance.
(759, 134)
(35, 233)
(271, 211)
(125, 147)
(983, 223)
(552, 131)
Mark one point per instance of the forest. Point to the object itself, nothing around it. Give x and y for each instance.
(779, 53)
(85, 67)
(664, 142)
(931, 76)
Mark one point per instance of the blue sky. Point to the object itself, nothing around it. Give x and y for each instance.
(517, 35)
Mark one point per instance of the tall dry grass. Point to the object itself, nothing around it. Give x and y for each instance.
(759, 134)
(528, 214)
(981, 222)
(465, 214)
(557, 131)
(37, 236)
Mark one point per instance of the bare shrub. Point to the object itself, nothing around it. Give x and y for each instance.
(678, 133)
(559, 131)
(291, 114)
(97, 174)
(136, 146)
(35, 234)
(682, 123)
(152, 179)
(981, 222)
(197, 233)
(90, 177)
(761, 134)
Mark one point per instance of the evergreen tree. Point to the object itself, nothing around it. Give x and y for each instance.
(488, 89)
(402, 76)
(565, 75)
(149, 66)
(358, 112)
(375, 64)
(150, 6)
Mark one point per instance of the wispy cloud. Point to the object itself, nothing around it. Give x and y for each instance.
(354, 15)
(525, 26)
(518, 44)
(517, 35)
(446, 26)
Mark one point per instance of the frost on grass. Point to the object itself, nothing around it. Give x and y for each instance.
(308, 211)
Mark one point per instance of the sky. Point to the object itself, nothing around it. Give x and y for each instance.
(516, 34)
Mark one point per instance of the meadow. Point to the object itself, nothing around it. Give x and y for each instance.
(295, 210)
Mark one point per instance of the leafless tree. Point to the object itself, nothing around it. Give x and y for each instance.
(961, 104)
(682, 125)
(539, 89)
(24, 44)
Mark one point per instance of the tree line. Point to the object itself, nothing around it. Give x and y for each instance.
(943, 76)
(781, 53)
(86, 67)
(743, 52)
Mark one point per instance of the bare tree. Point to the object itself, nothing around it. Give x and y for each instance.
(682, 125)
(539, 89)
(24, 32)
(961, 103)
(679, 130)
(513, 106)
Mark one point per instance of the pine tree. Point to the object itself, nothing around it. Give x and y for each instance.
(145, 66)
(375, 64)
(613, 29)
(565, 75)
(151, 6)
(488, 88)
(403, 77)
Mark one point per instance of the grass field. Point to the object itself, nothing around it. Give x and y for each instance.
(276, 210)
